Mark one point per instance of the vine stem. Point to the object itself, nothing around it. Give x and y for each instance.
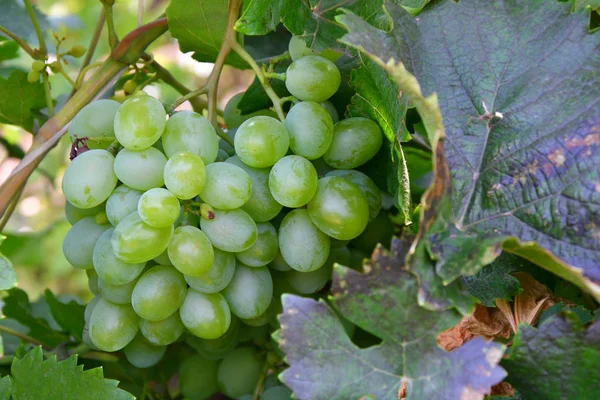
(89, 54)
(20, 42)
(36, 27)
(113, 40)
(260, 382)
(48, 94)
(197, 103)
(83, 71)
(21, 336)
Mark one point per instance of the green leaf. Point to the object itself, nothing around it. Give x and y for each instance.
(15, 18)
(260, 17)
(325, 364)
(414, 7)
(523, 160)
(585, 316)
(199, 26)
(5, 388)
(17, 307)
(8, 277)
(19, 98)
(68, 315)
(34, 378)
(9, 49)
(558, 360)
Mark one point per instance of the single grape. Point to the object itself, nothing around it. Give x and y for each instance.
(142, 354)
(92, 281)
(190, 251)
(250, 291)
(339, 208)
(309, 282)
(298, 49)
(367, 187)
(217, 277)
(310, 128)
(379, 231)
(89, 179)
(163, 332)
(139, 121)
(231, 230)
(90, 307)
(261, 141)
(264, 250)
(293, 181)
(122, 202)
(264, 318)
(312, 78)
(217, 349)
(190, 131)
(277, 393)
(233, 115)
(75, 214)
(108, 267)
(78, 244)
(279, 264)
(227, 186)
(158, 293)
(95, 122)
(303, 246)
(134, 241)
(355, 141)
(159, 208)
(331, 110)
(239, 372)
(261, 206)
(116, 294)
(205, 315)
(185, 175)
(141, 169)
(198, 377)
(112, 326)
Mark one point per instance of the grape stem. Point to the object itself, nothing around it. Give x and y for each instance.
(85, 65)
(113, 40)
(48, 93)
(260, 382)
(274, 75)
(197, 103)
(20, 42)
(21, 336)
(36, 27)
(82, 73)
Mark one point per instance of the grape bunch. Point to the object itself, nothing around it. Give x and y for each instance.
(187, 239)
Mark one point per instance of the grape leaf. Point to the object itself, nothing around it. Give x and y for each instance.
(414, 7)
(15, 18)
(17, 307)
(524, 161)
(199, 26)
(558, 360)
(383, 302)
(5, 388)
(585, 316)
(68, 315)
(34, 378)
(260, 17)
(23, 96)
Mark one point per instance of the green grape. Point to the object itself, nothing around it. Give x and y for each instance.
(217, 277)
(142, 354)
(265, 317)
(233, 115)
(112, 326)
(216, 349)
(298, 49)
(198, 377)
(231, 230)
(367, 187)
(95, 122)
(261, 141)
(75, 214)
(355, 141)
(222, 155)
(310, 128)
(108, 267)
(303, 246)
(239, 372)
(312, 78)
(227, 186)
(122, 202)
(264, 250)
(261, 206)
(163, 258)
(279, 264)
(134, 241)
(277, 393)
(89, 179)
(78, 244)
(205, 315)
(158, 208)
(190, 251)
(163, 332)
(158, 293)
(339, 208)
(89, 308)
(250, 291)
(92, 281)
(378, 231)
(116, 294)
(185, 175)
(309, 282)
(190, 131)
(141, 170)
(139, 121)
(331, 110)
(293, 181)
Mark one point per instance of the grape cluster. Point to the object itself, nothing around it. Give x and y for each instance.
(185, 238)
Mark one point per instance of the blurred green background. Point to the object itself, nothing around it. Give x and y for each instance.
(37, 227)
